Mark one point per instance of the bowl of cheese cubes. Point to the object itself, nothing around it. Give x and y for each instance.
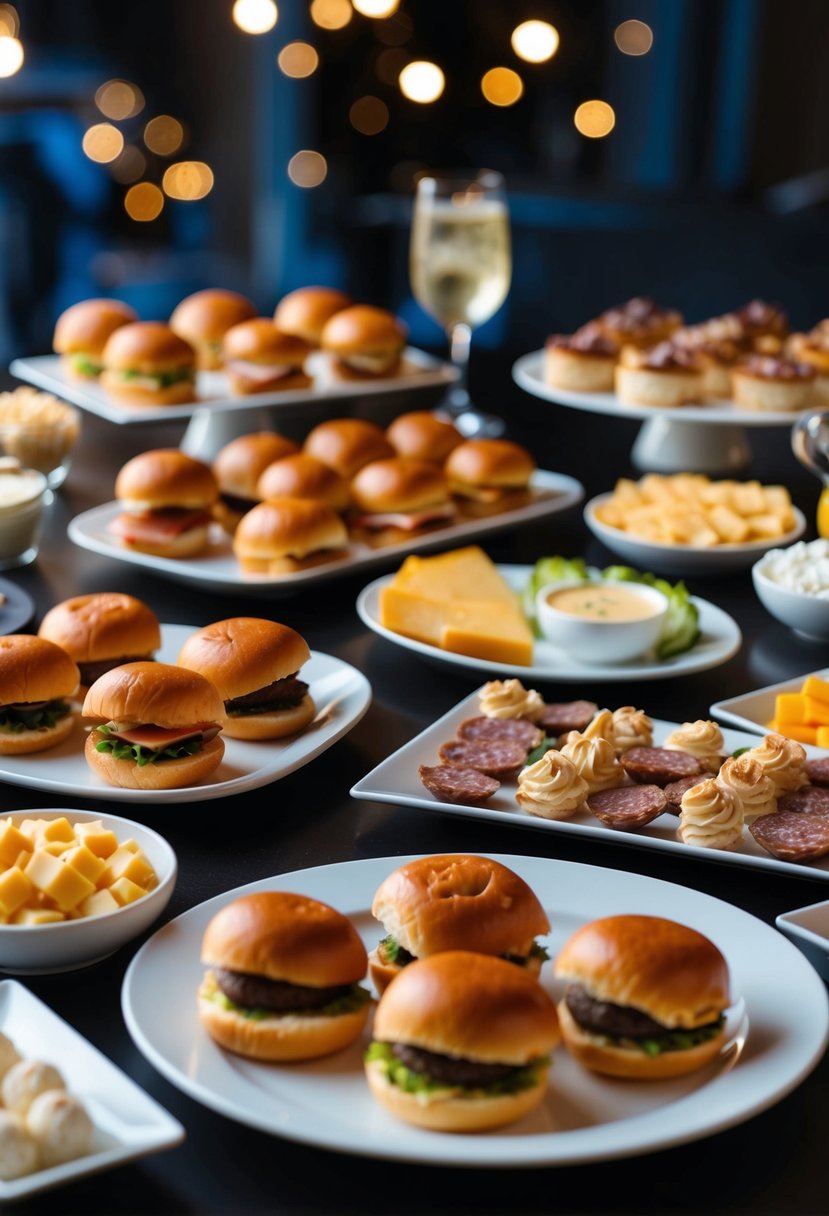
(76, 885)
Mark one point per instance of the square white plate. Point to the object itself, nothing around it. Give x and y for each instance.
(808, 928)
(754, 710)
(128, 1122)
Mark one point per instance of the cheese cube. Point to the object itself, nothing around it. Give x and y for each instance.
(790, 707)
(98, 904)
(125, 864)
(814, 686)
(803, 734)
(730, 526)
(31, 827)
(58, 829)
(15, 889)
(98, 839)
(37, 916)
(60, 882)
(125, 891)
(85, 862)
(12, 843)
(822, 738)
(55, 847)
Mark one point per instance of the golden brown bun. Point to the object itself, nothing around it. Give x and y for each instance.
(600, 1055)
(305, 311)
(85, 327)
(166, 477)
(240, 463)
(398, 484)
(668, 971)
(579, 371)
(459, 901)
(34, 669)
(346, 444)
(421, 435)
(278, 724)
(180, 393)
(245, 386)
(490, 462)
(304, 476)
(244, 653)
(105, 625)
(158, 693)
(379, 369)
(383, 972)
(204, 318)
(282, 1037)
(363, 330)
(259, 341)
(147, 347)
(189, 543)
(165, 775)
(297, 528)
(452, 1114)
(283, 936)
(24, 742)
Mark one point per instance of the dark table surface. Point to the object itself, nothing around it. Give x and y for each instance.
(774, 1163)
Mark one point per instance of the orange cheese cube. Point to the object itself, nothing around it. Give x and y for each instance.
(814, 686)
(12, 843)
(85, 862)
(57, 829)
(98, 839)
(37, 916)
(822, 739)
(790, 707)
(803, 734)
(99, 903)
(125, 864)
(15, 889)
(58, 881)
(125, 891)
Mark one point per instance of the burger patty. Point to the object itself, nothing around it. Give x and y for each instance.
(235, 502)
(450, 1070)
(602, 1017)
(289, 691)
(257, 992)
(92, 670)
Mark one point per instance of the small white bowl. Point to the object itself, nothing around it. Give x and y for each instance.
(597, 640)
(807, 614)
(66, 945)
(808, 928)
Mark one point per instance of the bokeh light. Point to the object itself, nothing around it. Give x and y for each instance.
(188, 180)
(535, 41)
(331, 14)
(422, 81)
(394, 32)
(164, 135)
(502, 86)
(255, 16)
(103, 142)
(298, 59)
(11, 55)
(376, 8)
(390, 63)
(143, 202)
(595, 119)
(633, 37)
(118, 99)
(9, 21)
(129, 166)
(307, 169)
(369, 115)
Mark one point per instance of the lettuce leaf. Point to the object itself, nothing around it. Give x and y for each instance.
(352, 1000)
(13, 721)
(139, 755)
(411, 1082)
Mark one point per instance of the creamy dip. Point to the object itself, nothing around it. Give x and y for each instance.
(21, 505)
(598, 602)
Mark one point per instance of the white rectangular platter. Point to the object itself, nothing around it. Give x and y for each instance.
(753, 710)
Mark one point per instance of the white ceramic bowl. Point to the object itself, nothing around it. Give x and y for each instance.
(683, 559)
(597, 640)
(808, 928)
(807, 614)
(66, 945)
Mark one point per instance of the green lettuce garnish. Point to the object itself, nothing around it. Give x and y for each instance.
(162, 379)
(352, 1000)
(672, 1040)
(411, 1082)
(13, 721)
(122, 750)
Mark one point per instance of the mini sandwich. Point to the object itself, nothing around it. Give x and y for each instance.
(303, 476)
(82, 332)
(237, 468)
(283, 979)
(158, 727)
(37, 681)
(489, 475)
(259, 358)
(147, 364)
(102, 631)
(396, 499)
(363, 342)
(645, 997)
(304, 312)
(455, 902)
(167, 499)
(462, 1043)
(285, 535)
(346, 444)
(422, 435)
(255, 665)
(204, 318)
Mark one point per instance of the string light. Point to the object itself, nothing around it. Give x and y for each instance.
(143, 202)
(633, 37)
(164, 135)
(422, 81)
(502, 86)
(255, 16)
(376, 8)
(188, 180)
(307, 169)
(11, 55)
(331, 14)
(535, 41)
(103, 143)
(369, 115)
(595, 119)
(119, 99)
(298, 59)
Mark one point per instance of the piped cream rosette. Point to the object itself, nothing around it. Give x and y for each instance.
(753, 790)
(783, 760)
(551, 788)
(710, 817)
(631, 728)
(601, 727)
(510, 699)
(595, 761)
(702, 739)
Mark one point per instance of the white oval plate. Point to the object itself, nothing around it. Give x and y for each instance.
(721, 639)
(778, 1032)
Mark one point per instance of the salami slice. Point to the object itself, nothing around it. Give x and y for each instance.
(675, 789)
(517, 730)
(818, 771)
(628, 806)
(793, 836)
(658, 765)
(495, 756)
(810, 800)
(559, 717)
(463, 785)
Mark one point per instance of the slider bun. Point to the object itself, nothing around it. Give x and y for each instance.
(180, 393)
(364, 330)
(166, 477)
(398, 484)
(85, 327)
(303, 476)
(442, 1114)
(188, 543)
(346, 444)
(259, 341)
(159, 693)
(34, 669)
(305, 311)
(105, 625)
(278, 724)
(289, 528)
(204, 318)
(243, 654)
(165, 775)
(147, 347)
(490, 462)
(423, 436)
(240, 463)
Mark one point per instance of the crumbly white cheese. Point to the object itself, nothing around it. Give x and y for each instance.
(804, 567)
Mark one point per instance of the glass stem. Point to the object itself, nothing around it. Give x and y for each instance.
(460, 337)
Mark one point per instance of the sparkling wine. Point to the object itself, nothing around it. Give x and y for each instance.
(460, 258)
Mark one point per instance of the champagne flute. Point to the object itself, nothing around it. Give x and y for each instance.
(460, 267)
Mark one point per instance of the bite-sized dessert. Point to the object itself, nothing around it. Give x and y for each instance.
(146, 363)
(663, 376)
(710, 817)
(422, 435)
(702, 739)
(204, 318)
(82, 332)
(157, 727)
(462, 1043)
(363, 342)
(631, 728)
(167, 499)
(595, 761)
(770, 382)
(285, 535)
(783, 760)
(283, 978)
(255, 665)
(61, 1126)
(601, 726)
(304, 312)
(259, 358)
(302, 476)
(18, 1147)
(552, 787)
(103, 630)
(645, 998)
(582, 362)
(489, 475)
(37, 682)
(346, 444)
(396, 499)
(510, 699)
(237, 468)
(763, 326)
(455, 901)
(813, 349)
(27, 1079)
(753, 790)
(718, 343)
(639, 322)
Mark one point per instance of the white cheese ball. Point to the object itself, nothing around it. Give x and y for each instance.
(24, 1081)
(9, 1054)
(18, 1148)
(61, 1126)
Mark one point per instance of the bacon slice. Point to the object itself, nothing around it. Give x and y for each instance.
(157, 525)
(407, 521)
(156, 738)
